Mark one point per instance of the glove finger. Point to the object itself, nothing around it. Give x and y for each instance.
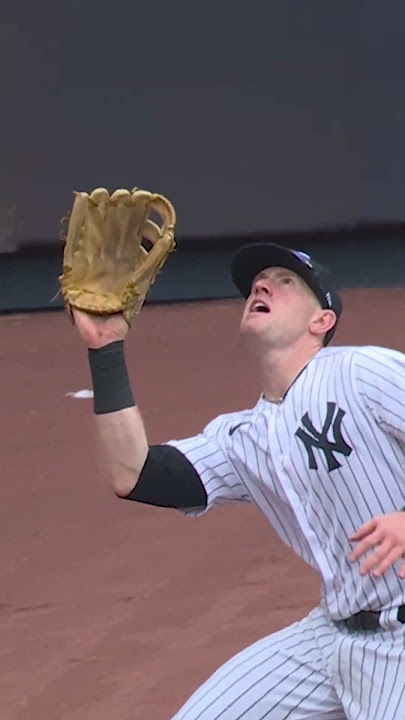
(76, 221)
(165, 209)
(98, 206)
(121, 197)
(120, 217)
(154, 260)
(151, 231)
(131, 242)
(99, 196)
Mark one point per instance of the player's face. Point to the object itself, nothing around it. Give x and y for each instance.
(280, 308)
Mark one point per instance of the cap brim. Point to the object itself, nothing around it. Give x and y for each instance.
(250, 260)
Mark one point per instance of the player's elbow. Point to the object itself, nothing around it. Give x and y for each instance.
(125, 476)
(121, 491)
(123, 484)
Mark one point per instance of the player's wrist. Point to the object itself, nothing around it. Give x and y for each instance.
(111, 386)
(95, 347)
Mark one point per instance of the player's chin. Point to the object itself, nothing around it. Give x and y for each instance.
(252, 323)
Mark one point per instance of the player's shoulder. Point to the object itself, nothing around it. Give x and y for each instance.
(378, 366)
(350, 352)
(364, 357)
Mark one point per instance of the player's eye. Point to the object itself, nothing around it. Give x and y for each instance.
(286, 280)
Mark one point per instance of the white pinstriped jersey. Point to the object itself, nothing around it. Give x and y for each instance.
(320, 464)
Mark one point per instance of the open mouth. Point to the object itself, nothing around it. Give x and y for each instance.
(259, 307)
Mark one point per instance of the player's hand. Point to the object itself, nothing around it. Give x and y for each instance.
(385, 535)
(100, 330)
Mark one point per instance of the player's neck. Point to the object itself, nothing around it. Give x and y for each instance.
(279, 369)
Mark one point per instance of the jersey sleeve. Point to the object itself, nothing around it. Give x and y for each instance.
(380, 375)
(209, 454)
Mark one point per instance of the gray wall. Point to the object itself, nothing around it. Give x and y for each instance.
(252, 116)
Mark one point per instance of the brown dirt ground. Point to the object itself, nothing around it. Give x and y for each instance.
(113, 610)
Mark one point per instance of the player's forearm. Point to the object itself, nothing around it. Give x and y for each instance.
(124, 446)
(119, 423)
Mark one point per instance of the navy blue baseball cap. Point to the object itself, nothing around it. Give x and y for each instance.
(250, 260)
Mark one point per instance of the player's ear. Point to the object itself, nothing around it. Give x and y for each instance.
(322, 321)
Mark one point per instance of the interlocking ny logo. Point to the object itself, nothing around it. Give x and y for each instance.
(312, 438)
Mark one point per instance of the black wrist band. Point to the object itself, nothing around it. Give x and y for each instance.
(111, 386)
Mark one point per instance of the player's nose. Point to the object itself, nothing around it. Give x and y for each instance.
(262, 287)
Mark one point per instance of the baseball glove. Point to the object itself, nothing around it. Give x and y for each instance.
(114, 250)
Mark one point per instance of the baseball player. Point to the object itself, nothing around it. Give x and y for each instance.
(322, 455)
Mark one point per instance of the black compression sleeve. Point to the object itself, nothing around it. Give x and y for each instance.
(111, 386)
(168, 479)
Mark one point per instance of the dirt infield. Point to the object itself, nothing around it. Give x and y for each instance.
(113, 610)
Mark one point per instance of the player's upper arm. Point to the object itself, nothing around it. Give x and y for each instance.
(209, 455)
(191, 475)
(380, 375)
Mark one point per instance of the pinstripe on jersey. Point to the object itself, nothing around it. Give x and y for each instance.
(319, 464)
(311, 670)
